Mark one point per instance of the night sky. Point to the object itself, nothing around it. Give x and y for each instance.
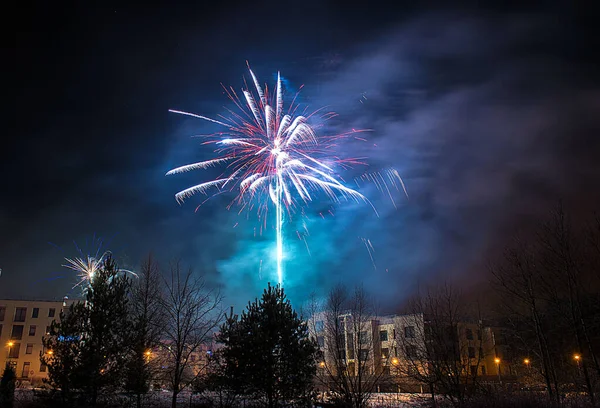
(489, 115)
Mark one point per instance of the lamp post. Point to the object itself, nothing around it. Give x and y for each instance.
(395, 364)
(148, 354)
(10, 344)
(497, 361)
(577, 357)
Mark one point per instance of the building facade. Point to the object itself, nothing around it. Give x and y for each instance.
(397, 349)
(23, 323)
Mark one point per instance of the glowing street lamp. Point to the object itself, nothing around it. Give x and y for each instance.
(148, 354)
(322, 364)
(10, 344)
(497, 361)
(577, 357)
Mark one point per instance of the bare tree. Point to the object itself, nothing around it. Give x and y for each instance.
(520, 280)
(146, 319)
(566, 255)
(192, 313)
(347, 331)
(438, 346)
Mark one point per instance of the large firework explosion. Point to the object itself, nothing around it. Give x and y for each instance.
(267, 150)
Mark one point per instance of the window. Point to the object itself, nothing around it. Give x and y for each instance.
(383, 335)
(20, 314)
(2, 313)
(482, 370)
(471, 352)
(35, 312)
(385, 353)
(0, 330)
(13, 351)
(351, 369)
(386, 370)
(363, 337)
(481, 355)
(25, 372)
(469, 334)
(32, 330)
(319, 326)
(17, 332)
(474, 370)
(351, 353)
(47, 329)
(394, 333)
(409, 332)
(364, 354)
(321, 341)
(42, 368)
(411, 351)
(51, 312)
(29, 348)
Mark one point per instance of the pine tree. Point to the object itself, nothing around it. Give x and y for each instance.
(267, 352)
(62, 351)
(7, 386)
(88, 346)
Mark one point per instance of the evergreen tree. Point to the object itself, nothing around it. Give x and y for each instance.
(62, 351)
(88, 346)
(267, 351)
(7, 386)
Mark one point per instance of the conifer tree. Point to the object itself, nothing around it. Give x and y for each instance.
(88, 345)
(267, 351)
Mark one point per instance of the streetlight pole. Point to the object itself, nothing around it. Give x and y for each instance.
(497, 361)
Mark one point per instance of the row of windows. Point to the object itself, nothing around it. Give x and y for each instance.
(17, 331)
(409, 333)
(26, 371)
(21, 313)
(15, 349)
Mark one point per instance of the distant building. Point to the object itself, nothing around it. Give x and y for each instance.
(391, 346)
(23, 323)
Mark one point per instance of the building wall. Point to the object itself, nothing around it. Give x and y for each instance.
(20, 326)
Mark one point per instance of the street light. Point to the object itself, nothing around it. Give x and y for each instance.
(577, 357)
(322, 364)
(10, 344)
(497, 361)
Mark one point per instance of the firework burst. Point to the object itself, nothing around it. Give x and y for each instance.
(87, 265)
(267, 150)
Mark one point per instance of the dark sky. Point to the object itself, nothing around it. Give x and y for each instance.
(489, 115)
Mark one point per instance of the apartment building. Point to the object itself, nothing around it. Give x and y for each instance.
(392, 347)
(23, 323)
